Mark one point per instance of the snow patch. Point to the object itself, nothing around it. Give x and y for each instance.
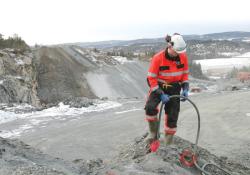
(18, 77)
(127, 102)
(15, 132)
(212, 88)
(80, 51)
(246, 40)
(248, 114)
(247, 54)
(219, 67)
(19, 62)
(214, 77)
(60, 112)
(93, 59)
(231, 39)
(221, 63)
(121, 59)
(131, 110)
(7, 116)
(229, 53)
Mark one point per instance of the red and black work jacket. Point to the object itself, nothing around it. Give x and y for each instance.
(163, 70)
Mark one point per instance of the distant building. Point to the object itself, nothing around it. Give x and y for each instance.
(243, 76)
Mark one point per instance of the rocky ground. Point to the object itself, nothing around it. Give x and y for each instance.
(19, 158)
(166, 160)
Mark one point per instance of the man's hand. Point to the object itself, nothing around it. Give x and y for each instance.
(164, 98)
(185, 94)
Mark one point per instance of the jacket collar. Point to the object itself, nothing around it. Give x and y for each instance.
(171, 58)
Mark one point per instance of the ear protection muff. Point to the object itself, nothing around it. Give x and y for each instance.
(168, 40)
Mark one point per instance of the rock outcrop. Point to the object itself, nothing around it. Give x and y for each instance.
(18, 78)
(59, 76)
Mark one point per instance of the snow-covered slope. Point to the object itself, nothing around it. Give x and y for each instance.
(221, 66)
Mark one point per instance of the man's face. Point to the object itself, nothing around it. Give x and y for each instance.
(172, 52)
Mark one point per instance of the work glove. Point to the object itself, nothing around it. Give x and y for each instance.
(185, 94)
(164, 98)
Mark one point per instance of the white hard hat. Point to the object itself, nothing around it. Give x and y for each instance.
(178, 43)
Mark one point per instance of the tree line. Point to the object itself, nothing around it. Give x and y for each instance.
(14, 42)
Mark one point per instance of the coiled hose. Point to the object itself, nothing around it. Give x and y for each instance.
(193, 154)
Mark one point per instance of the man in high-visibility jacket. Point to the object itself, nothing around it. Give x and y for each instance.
(167, 75)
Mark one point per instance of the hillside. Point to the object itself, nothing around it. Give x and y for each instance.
(230, 36)
(207, 46)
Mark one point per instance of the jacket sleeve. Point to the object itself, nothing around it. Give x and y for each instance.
(153, 74)
(185, 70)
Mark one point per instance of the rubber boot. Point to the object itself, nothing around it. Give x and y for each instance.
(152, 131)
(168, 140)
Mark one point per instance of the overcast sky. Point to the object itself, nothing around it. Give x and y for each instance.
(63, 21)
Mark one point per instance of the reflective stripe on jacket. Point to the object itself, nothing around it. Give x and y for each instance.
(165, 70)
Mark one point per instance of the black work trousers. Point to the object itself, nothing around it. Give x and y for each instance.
(172, 108)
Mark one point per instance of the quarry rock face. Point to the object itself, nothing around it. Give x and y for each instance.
(59, 76)
(18, 78)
